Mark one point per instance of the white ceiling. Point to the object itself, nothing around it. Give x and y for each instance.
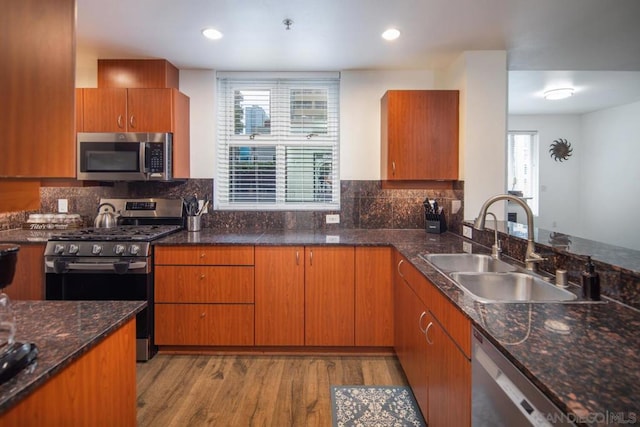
(539, 35)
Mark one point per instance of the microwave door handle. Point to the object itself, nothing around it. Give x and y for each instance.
(145, 153)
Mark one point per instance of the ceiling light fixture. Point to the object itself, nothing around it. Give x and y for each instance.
(287, 24)
(391, 34)
(212, 33)
(558, 93)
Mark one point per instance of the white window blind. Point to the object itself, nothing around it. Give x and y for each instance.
(278, 144)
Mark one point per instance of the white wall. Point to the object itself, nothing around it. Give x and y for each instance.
(610, 199)
(481, 77)
(559, 182)
(360, 93)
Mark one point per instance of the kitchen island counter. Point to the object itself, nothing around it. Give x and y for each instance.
(583, 356)
(66, 332)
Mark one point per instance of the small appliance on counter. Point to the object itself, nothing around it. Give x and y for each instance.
(434, 220)
(14, 356)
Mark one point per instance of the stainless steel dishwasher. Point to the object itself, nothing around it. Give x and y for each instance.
(503, 396)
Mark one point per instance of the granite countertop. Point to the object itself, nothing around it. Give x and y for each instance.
(589, 372)
(63, 331)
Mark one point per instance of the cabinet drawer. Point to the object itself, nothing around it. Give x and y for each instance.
(204, 255)
(204, 284)
(456, 324)
(204, 324)
(415, 279)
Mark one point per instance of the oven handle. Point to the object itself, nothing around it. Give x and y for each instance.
(113, 266)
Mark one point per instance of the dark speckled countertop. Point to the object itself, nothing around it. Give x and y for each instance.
(63, 331)
(589, 372)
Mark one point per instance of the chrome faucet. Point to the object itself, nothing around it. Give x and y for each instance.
(531, 258)
(496, 249)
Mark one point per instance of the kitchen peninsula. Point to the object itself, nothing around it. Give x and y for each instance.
(85, 372)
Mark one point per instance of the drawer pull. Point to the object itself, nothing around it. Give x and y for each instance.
(297, 257)
(202, 315)
(202, 276)
(202, 255)
(424, 313)
(426, 333)
(399, 264)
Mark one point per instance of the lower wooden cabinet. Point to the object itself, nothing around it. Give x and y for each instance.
(279, 295)
(28, 280)
(204, 296)
(204, 324)
(432, 354)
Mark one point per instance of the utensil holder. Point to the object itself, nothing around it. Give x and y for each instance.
(435, 223)
(193, 223)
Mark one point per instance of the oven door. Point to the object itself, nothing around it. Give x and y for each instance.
(74, 279)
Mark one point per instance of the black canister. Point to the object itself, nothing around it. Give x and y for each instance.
(8, 259)
(590, 281)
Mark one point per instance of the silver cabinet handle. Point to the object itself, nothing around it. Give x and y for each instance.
(398, 267)
(393, 168)
(310, 257)
(132, 121)
(426, 333)
(297, 257)
(120, 121)
(424, 313)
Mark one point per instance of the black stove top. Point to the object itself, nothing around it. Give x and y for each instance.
(137, 233)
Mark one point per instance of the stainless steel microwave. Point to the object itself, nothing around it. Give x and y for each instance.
(125, 156)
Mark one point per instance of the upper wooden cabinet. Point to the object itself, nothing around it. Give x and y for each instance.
(419, 135)
(140, 110)
(37, 79)
(137, 73)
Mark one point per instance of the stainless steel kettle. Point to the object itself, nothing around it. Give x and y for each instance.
(106, 218)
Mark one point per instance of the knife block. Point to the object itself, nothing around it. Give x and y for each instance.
(435, 223)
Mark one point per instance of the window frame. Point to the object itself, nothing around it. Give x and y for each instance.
(283, 136)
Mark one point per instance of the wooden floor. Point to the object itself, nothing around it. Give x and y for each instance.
(252, 390)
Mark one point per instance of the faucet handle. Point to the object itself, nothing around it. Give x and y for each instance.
(535, 257)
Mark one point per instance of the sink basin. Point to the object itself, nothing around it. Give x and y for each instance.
(510, 287)
(449, 263)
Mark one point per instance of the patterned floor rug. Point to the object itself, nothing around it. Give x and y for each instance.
(365, 406)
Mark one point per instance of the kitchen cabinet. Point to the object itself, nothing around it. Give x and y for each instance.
(439, 371)
(419, 135)
(336, 289)
(141, 110)
(204, 295)
(279, 305)
(329, 296)
(374, 296)
(37, 79)
(137, 73)
(28, 280)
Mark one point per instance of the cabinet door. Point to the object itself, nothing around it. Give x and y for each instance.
(374, 297)
(204, 324)
(411, 319)
(150, 110)
(449, 381)
(279, 306)
(420, 135)
(104, 110)
(37, 80)
(329, 296)
(28, 280)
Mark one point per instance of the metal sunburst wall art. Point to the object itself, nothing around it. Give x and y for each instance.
(560, 149)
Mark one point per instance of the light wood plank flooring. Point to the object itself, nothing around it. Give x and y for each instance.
(252, 390)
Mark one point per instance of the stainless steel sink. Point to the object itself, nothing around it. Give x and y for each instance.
(510, 287)
(449, 263)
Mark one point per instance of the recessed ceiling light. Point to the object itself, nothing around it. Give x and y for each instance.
(391, 34)
(212, 33)
(558, 93)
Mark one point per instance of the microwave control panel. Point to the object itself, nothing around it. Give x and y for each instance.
(155, 157)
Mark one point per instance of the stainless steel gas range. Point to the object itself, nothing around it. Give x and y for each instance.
(114, 263)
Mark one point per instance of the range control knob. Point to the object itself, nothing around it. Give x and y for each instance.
(73, 249)
(134, 249)
(58, 249)
(96, 249)
(119, 249)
